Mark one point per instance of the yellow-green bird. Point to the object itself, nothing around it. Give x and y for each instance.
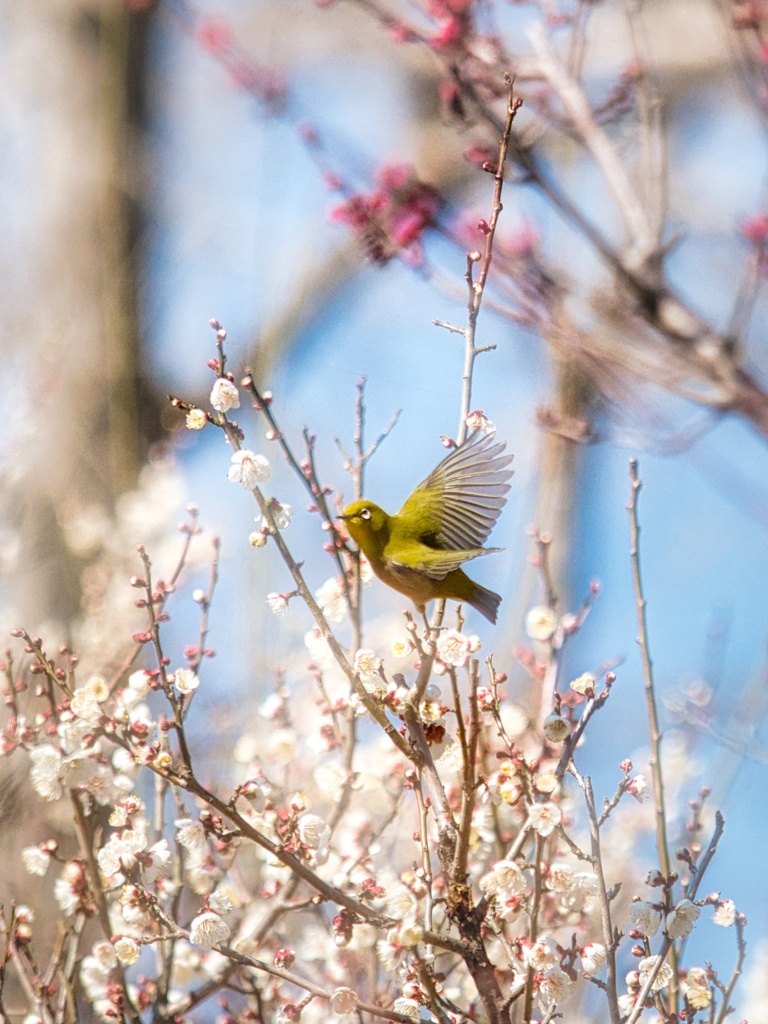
(419, 551)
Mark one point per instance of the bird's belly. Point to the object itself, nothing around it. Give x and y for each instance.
(414, 583)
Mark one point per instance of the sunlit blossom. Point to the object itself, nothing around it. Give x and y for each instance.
(281, 745)
(544, 818)
(332, 599)
(593, 956)
(725, 913)
(408, 1007)
(696, 988)
(315, 834)
(35, 860)
(477, 420)
(185, 680)
(556, 728)
(195, 419)
(647, 966)
(638, 788)
(127, 950)
(584, 684)
(191, 834)
(504, 879)
(453, 648)
(220, 902)
(540, 622)
(554, 987)
(224, 395)
(319, 650)
(208, 930)
(645, 917)
(277, 603)
(282, 514)
(249, 469)
(401, 647)
(681, 920)
(367, 667)
(344, 1000)
(45, 772)
(540, 956)
(119, 853)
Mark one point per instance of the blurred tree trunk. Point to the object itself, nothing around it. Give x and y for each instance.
(73, 91)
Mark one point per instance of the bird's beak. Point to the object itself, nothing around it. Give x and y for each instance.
(342, 516)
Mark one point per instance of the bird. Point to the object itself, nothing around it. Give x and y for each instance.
(419, 551)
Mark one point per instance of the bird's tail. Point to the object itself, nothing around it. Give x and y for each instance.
(486, 602)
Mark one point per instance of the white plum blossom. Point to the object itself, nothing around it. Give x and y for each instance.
(220, 902)
(645, 917)
(127, 950)
(544, 818)
(318, 648)
(561, 877)
(367, 666)
(281, 746)
(104, 954)
(68, 887)
(504, 879)
(593, 956)
(208, 930)
(584, 889)
(119, 853)
(583, 684)
(282, 514)
(725, 913)
(647, 966)
(696, 988)
(453, 648)
(367, 574)
(85, 705)
(315, 833)
(344, 1000)
(681, 920)
(477, 420)
(540, 622)
(224, 395)
(408, 1007)
(196, 419)
(540, 956)
(332, 599)
(191, 835)
(401, 647)
(45, 772)
(35, 860)
(248, 469)
(159, 865)
(556, 728)
(185, 680)
(555, 987)
(277, 603)
(638, 788)
(133, 908)
(136, 689)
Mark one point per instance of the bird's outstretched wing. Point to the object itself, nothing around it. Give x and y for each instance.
(458, 504)
(436, 563)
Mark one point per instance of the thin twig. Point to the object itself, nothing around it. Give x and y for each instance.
(650, 693)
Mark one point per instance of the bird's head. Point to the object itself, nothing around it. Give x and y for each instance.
(368, 524)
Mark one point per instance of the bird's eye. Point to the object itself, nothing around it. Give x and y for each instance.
(365, 513)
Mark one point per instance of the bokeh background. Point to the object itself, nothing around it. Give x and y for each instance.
(157, 173)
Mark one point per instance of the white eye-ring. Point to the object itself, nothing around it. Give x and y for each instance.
(365, 513)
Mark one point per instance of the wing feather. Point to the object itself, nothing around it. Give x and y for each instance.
(458, 504)
(437, 563)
